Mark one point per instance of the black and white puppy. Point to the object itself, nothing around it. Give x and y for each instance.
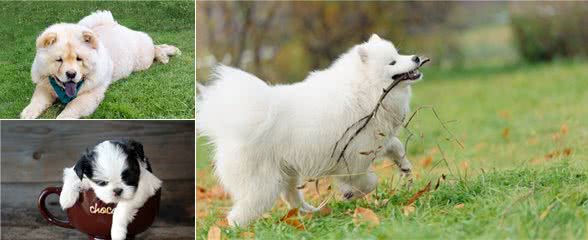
(118, 172)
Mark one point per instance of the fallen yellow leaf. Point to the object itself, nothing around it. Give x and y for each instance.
(214, 233)
(459, 206)
(247, 235)
(407, 210)
(291, 218)
(365, 215)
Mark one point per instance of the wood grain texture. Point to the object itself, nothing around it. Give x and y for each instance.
(37, 151)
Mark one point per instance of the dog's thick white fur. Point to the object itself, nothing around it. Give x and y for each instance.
(268, 138)
(108, 164)
(97, 50)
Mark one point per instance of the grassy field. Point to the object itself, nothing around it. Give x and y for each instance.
(521, 174)
(163, 91)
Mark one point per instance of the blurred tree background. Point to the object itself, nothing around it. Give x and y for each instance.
(282, 41)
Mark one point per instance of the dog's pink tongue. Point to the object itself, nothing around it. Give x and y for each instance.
(70, 89)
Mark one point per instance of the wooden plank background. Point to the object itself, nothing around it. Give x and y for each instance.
(37, 151)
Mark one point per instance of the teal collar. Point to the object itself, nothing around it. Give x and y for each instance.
(63, 98)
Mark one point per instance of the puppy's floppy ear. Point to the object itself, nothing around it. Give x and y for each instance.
(374, 37)
(136, 147)
(90, 39)
(46, 39)
(363, 54)
(84, 165)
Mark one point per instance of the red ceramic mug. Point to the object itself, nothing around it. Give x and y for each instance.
(93, 217)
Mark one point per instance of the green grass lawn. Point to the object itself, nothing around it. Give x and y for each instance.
(163, 91)
(522, 173)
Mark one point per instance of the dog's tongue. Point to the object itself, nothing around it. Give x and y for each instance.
(70, 89)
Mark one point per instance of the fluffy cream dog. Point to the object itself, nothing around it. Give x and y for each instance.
(76, 63)
(268, 138)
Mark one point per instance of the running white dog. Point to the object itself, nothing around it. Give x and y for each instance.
(76, 63)
(268, 138)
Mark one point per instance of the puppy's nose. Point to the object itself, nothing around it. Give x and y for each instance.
(117, 191)
(70, 74)
(416, 59)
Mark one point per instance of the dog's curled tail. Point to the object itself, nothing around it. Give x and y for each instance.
(164, 51)
(98, 18)
(235, 105)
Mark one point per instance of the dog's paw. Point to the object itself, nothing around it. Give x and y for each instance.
(30, 112)
(118, 233)
(65, 115)
(68, 199)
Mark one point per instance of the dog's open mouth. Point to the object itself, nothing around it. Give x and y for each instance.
(70, 87)
(412, 74)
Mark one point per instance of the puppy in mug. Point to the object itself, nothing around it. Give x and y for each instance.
(118, 172)
(76, 63)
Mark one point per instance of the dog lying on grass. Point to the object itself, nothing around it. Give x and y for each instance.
(268, 138)
(76, 63)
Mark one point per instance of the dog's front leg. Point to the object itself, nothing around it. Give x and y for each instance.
(83, 105)
(71, 189)
(294, 197)
(123, 214)
(395, 151)
(41, 100)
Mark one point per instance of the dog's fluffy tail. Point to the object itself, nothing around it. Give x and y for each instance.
(98, 18)
(236, 106)
(164, 51)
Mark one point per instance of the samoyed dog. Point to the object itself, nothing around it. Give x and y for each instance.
(76, 63)
(268, 139)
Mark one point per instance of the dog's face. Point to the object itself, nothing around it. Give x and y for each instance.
(67, 53)
(113, 169)
(384, 63)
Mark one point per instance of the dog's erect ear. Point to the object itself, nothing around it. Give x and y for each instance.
(363, 54)
(374, 37)
(84, 165)
(90, 39)
(46, 39)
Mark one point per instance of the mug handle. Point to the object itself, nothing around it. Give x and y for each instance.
(43, 208)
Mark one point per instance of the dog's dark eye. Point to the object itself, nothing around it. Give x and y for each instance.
(78, 59)
(60, 60)
(393, 62)
(101, 183)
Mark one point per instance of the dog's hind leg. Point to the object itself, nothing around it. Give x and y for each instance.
(163, 51)
(252, 196)
(294, 198)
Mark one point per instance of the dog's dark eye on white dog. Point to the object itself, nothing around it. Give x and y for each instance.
(59, 60)
(393, 62)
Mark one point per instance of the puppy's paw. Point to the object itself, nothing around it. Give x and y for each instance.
(30, 112)
(118, 233)
(68, 199)
(67, 115)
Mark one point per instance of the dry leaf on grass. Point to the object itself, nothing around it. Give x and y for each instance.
(365, 215)
(407, 210)
(564, 129)
(291, 218)
(215, 192)
(214, 233)
(442, 178)
(505, 133)
(247, 235)
(464, 165)
(459, 206)
(427, 161)
(418, 194)
(222, 223)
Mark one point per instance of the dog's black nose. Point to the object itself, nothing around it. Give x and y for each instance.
(70, 74)
(416, 59)
(117, 191)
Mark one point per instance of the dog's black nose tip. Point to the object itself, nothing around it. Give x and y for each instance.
(416, 59)
(117, 191)
(70, 74)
